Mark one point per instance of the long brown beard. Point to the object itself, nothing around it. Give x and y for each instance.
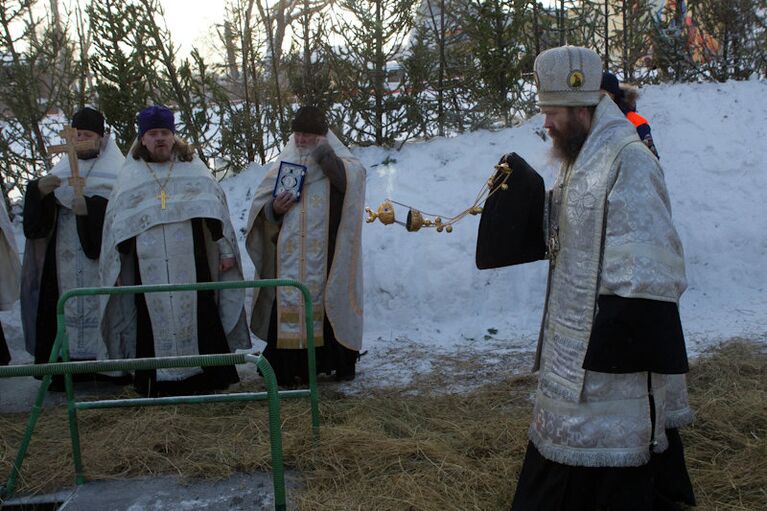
(569, 141)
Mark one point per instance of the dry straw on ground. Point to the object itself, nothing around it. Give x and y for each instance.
(405, 449)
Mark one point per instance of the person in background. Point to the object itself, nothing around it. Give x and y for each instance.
(10, 274)
(625, 96)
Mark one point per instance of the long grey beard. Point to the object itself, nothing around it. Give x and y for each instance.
(304, 152)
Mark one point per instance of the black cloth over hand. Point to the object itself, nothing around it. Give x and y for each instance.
(5, 354)
(631, 335)
(511, 226)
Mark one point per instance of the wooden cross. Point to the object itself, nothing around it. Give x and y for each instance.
(71, 147)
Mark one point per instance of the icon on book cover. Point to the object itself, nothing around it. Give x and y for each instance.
(290, 178)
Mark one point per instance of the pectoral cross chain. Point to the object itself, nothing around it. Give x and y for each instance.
(163, 195)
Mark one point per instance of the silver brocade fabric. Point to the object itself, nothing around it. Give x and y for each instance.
(76, 270)
(166, 256)
(611, 233)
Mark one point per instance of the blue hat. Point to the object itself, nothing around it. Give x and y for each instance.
(611, 84)
(155, 116)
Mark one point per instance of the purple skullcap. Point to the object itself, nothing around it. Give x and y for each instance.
(153, 117)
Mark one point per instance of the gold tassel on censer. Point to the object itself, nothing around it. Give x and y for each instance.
(417, 219)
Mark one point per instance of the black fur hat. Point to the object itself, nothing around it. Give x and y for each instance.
(89, 119)
(309, 119)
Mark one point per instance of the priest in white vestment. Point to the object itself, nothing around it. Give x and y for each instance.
(63, 243)
(611, 355)
(313, 237)
(10, 274)
(168, 223)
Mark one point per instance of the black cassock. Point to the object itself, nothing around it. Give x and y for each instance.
(40, 214)
(629, 335)
(5, 354)
(210, 332)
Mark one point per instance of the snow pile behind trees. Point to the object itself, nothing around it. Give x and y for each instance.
(424, 287)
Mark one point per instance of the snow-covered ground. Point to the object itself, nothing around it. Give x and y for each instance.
(424, 296)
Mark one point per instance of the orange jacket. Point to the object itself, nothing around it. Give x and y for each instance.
(636, 119)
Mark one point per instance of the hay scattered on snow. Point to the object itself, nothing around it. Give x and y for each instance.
(399, 449)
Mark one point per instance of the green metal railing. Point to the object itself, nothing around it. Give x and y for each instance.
(272, 395)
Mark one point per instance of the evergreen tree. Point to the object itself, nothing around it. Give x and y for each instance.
(493, 29)
(39, 71)
(124, 80)
(373, 32)
(727, 38)
(307, 64)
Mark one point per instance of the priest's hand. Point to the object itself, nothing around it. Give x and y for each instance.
(79, 207)
(322, 151)
(47, 184)
(515, 161)
(282, 203)
(226, 256)
(226, 264)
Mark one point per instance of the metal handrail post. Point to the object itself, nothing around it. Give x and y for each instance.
(27, 438)
(61, 338)
(67, 368)
(275, 431)
(69, 387)
(215, 286)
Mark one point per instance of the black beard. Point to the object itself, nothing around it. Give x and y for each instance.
(568, 143)
(88, 155)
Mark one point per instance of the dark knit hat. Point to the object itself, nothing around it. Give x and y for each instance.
(611, 84)
(89, 119)
(309, 119)
(154, 117)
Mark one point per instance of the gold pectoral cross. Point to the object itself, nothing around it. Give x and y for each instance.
(71, 147)
(162, 196)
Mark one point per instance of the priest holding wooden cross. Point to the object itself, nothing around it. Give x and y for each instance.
(168, 223)
(63, 219)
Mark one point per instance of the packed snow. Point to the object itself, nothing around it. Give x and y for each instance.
(425, 297)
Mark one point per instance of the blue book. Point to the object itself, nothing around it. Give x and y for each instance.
(290, 178)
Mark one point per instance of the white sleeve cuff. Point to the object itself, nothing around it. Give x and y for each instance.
(225, 250)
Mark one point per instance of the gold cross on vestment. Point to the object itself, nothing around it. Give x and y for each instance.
(316, 201)
(162, 196)
(71, 147)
